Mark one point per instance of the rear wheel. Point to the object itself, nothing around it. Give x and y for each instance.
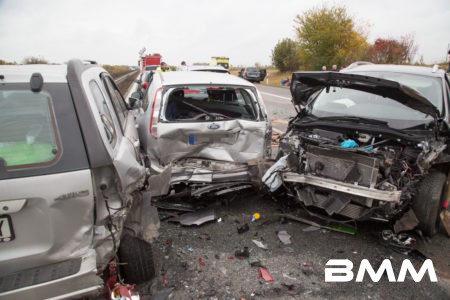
(136, 258)
(428, 201)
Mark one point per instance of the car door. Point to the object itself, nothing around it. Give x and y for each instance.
(125, 151)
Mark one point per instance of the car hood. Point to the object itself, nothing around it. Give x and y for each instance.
(304, 84)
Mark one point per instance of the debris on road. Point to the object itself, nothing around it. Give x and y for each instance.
(335, 227)
(256, 216)
(310, 228)
(201, 262)
(264, 274)
(243, 228)
(196, 218)
(124, 292)
(284, 237)
(241, 254)
(260, 244)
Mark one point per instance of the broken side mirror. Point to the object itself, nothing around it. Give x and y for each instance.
(135, 100)
(301, 93)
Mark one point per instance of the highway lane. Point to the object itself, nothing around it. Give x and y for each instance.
(278, 104)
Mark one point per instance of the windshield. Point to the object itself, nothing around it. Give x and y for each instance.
(205, 103)
(349, 102)
(430, 87)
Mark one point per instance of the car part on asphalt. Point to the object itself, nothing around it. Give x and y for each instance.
(260, 244)
(196, 218)
(264, 274)
(284, 237)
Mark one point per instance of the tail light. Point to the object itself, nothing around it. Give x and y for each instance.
(154, 112)
(145, 85)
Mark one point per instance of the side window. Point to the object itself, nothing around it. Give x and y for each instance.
(105, 113)
(117, 100)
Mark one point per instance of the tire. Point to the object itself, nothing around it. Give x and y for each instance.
(427, 201)
(136, 258)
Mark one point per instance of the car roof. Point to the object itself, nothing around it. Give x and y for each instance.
(207, 68)
(418, 70)
(180, 78)
(22, 73)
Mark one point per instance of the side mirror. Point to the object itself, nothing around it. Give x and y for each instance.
(135, 100)
(301, 93)
(138, 81)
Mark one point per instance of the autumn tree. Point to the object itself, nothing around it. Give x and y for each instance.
(285, 55)
(393, 51)
(329, 36)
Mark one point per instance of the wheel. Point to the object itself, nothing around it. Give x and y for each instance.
(427, 201)
(136, 258)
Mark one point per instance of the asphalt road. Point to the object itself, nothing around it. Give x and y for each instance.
(278, 104)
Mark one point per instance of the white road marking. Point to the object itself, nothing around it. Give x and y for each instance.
(273, 95)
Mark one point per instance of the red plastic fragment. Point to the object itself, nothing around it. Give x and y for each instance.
(201, 262)
(264, 274)
(230, 257)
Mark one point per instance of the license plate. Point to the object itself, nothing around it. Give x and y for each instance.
(6, 229)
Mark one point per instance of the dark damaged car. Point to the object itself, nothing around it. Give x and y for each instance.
(370, 143)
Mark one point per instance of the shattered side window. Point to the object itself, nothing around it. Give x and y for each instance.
(206, 103)
(29, 133)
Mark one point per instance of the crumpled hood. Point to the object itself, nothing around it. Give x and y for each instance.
(305, 84)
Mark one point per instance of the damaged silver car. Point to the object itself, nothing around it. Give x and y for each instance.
(71, 176)
(364, 147)
(200, 130)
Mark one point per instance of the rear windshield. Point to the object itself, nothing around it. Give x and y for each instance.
(252, 70)
(29, 134)
(32, 126)
(206, 103)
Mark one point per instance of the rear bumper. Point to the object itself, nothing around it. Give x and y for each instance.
(84, 282)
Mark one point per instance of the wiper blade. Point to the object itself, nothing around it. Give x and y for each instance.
(351, 119)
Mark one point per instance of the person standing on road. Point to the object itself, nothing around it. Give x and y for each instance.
(163, 68)
(324, 68)
(182, 67)
(334, 68)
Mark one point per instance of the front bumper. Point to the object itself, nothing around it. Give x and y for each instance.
(343, 187)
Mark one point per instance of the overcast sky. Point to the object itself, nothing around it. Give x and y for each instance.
(112, 32)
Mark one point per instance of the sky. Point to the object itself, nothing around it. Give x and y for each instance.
(113, 32)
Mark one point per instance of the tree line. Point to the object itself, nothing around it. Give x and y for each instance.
(329, 36)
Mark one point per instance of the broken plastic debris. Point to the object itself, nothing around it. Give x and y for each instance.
(264, 274)
(201, 262)
(190, 249)
(243, 228)
(219, 220)
(260, 244)
(256, 216)
(289, 277)
(311, 228)
(284, 237)
(197, 218)
(124, 292)
(272, 179)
